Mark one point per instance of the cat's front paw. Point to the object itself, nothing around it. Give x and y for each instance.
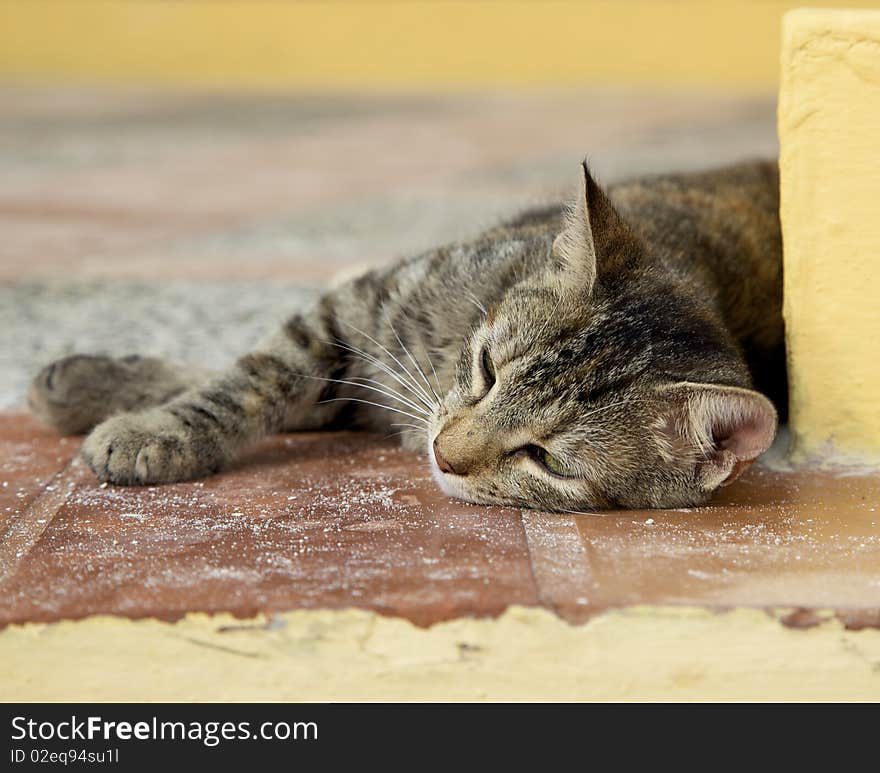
(75, 393)
(148, 447)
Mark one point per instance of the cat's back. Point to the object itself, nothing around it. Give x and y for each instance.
(719, 229)
(734, 208)
(719, 232)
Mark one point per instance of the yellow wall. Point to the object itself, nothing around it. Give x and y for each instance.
(346, 44)
(829, 128)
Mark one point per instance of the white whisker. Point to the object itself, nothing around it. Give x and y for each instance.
(412, 379)
(411, 358)
(469, 296)
(409, 429)
(427, 357)
(378, 405)
(436, 379)
(383, 367)
(393, 435)
(414, 383)
(387, 392)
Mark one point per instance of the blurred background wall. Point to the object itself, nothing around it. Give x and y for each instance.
(397, 44)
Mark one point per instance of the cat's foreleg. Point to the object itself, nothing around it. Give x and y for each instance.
(204, 428)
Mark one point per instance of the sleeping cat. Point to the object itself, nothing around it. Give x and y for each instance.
(619, 352)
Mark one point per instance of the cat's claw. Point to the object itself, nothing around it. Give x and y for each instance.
(144, 448)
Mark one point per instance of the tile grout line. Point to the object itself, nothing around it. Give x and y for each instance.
(25, 531)
(530, 555)
(556, 590)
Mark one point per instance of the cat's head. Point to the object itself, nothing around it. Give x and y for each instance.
(602, 383)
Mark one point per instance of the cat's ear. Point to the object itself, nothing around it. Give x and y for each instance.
(720, 430)
(575, 248)
(587, 222)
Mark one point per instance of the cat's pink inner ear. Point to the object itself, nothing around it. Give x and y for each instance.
(727, 428)
(746, 428)
(746, 433)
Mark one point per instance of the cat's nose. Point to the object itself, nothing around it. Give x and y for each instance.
(442, 462)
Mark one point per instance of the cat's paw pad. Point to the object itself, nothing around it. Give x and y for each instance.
(144, 448)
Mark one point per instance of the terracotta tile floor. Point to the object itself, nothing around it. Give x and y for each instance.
(131, 221)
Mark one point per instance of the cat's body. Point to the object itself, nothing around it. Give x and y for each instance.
(607, 367)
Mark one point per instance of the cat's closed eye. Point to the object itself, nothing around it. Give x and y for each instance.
(543, 458)
(487, 372)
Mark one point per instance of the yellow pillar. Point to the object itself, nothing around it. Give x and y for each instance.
(829, 129)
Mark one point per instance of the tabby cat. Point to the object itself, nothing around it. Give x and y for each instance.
(624, 351)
